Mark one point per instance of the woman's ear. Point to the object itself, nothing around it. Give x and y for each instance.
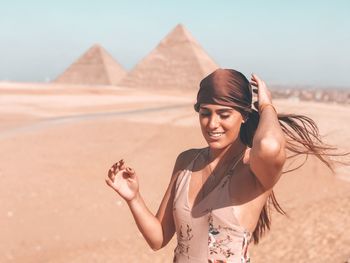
(244, 118)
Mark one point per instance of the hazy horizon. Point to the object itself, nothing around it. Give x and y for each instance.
(294, 43)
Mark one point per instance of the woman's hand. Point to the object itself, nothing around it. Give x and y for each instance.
(123, 180)
(264, 95)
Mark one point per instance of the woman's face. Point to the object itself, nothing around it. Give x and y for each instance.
(220, 125)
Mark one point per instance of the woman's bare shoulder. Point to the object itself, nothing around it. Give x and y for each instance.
(246, 154)
(185, 157)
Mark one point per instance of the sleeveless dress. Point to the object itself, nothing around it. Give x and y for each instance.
(210, 231)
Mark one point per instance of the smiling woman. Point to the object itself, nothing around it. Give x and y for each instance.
(219, 197)
(220, 124)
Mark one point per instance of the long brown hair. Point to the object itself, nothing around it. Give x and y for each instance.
(231, 88)
(303, 138)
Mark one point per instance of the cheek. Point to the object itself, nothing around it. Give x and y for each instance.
(203, 125)
(233, 126)
(203, 122)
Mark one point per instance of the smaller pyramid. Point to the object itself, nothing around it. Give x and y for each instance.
(95, 67)
(178, 62)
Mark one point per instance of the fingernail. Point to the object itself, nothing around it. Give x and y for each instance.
(129, 170)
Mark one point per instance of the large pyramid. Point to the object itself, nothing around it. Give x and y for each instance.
(178, 62)
(96, 66)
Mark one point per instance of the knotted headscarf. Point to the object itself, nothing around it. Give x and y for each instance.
(226, 87)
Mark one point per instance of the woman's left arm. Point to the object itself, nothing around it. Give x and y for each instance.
(268, 153)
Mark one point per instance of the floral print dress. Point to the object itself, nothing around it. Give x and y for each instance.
(208, 232)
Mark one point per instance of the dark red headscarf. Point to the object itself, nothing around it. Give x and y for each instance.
(226, 87)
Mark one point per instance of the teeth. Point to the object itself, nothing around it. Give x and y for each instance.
(215, 134)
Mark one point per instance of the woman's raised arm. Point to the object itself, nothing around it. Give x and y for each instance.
(267, 155)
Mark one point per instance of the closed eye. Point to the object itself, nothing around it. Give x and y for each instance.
(206, 114)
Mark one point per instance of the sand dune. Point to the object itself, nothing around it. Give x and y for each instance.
(58, 142)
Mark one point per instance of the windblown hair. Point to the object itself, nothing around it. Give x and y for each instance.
(231, 88)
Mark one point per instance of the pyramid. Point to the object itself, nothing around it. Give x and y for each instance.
(96, 66)
(178, 62)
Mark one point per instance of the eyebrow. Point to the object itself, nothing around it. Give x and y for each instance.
(218, 110)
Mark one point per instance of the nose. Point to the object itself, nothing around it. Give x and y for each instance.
(214, 122)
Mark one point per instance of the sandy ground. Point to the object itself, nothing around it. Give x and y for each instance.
(57, 143)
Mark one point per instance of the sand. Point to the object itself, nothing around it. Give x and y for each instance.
(57, 143)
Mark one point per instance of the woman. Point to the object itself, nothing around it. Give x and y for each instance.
(218, 198)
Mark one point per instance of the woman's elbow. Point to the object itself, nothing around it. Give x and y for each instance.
(270, 147)
(155, 246)
(156, 243)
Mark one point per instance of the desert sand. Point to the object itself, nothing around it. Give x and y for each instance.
(58, 141)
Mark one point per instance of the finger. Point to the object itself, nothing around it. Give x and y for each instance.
(110, 183)
(256, 79)
(114, 169)
(111, 174)
(115, 166)
(130, 172)
(253, 83)
(118, 164)
(126, 175)
(253, 77)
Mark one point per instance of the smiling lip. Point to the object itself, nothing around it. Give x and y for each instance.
(215, 135)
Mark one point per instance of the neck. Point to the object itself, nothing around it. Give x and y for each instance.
(232, 150)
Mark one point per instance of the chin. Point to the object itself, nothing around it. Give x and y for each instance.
(217, 145)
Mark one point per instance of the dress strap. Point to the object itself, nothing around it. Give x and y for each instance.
(196, 156)
(191, 165)
(235, 164)
(184, 172)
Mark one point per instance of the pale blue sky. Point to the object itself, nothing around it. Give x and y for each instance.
(286, 42)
